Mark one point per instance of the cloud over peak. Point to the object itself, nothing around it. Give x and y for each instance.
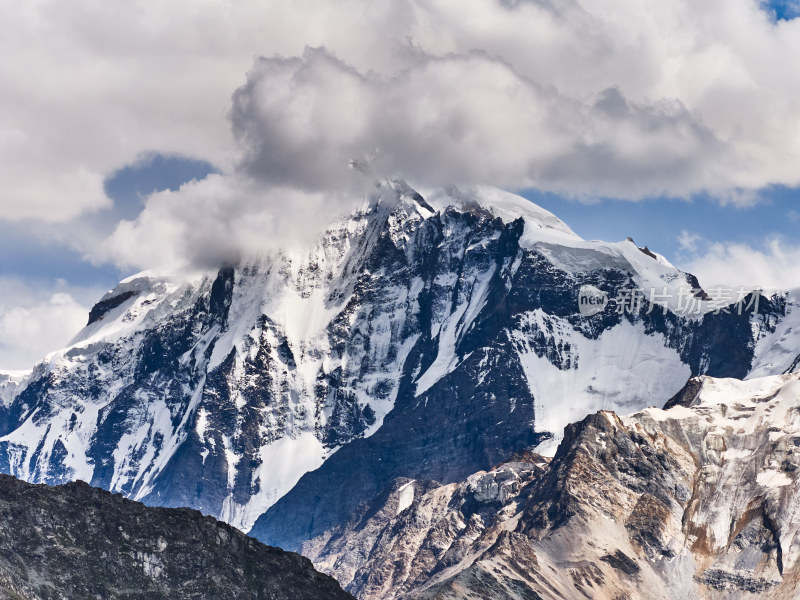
(584, 98)
(467, 117)
(604, 88)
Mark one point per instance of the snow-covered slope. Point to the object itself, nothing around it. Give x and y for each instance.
(425, 339)
(698, 501)
(10, 382)
(779, 351)
(494, 374)
(235, 383)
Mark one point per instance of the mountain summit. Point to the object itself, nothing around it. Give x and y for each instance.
(425, 338)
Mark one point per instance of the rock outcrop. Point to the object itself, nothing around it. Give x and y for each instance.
(75, 541)
(698, 501)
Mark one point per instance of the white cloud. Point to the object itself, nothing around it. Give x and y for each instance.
(771, 264)
(88, 86)
(581, 97)
(35, 320)
(688, 241)
(214, 221)
(585, 97)
(467, 118)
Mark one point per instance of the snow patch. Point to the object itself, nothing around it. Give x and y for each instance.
(773, 479)
(283, 463)
(405, 496)
(600, 376)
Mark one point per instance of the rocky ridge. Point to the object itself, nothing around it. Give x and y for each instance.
(697, 501)
(76, 541)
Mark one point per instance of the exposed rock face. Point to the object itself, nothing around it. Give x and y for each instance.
(420, 338)
(103, 307)
(698, 501)
(76, 541)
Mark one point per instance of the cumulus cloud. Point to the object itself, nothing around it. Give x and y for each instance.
(581, 98)
(89, 86)
(469, 118)
(584, 97)
(36, 319)
(219, 220)
(772, 264)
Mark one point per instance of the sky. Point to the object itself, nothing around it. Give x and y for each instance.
(170, 136)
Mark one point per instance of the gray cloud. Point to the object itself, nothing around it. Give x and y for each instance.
(88, 88)
(585, 98)
(467, 118)
(579, 97)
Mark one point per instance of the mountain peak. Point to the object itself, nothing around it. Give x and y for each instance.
(432, 313)
(508, 207)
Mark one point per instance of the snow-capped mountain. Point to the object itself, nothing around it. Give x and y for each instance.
(697, 501)
(422, 338)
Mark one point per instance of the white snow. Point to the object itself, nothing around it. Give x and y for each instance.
(282, 464)
(201, 424)
(602, 375)
(458, 320)
(46, 433)
(773, 479)
(11, 384)
(17, 374)
(302, 292)
(737, 453)
(776, 352)
(405, 496)
(741, 432)
(655, 277)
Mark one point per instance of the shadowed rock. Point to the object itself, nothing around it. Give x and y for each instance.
(75, 541)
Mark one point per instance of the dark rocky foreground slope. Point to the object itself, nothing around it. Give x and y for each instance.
(696, 502)
(78, 542)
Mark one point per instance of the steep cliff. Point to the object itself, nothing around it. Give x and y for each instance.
(420, 338)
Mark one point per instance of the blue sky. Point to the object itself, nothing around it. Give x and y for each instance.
(30, 251)
(783, 9)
